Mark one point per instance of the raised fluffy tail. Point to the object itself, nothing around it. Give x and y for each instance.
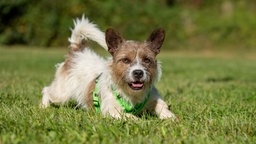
(83, 31)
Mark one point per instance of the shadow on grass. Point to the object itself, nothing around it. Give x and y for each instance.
(219, 79)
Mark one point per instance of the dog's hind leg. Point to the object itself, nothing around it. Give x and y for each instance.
(45, 99)
(55, 97)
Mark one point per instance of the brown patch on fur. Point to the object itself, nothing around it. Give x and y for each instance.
(67, 63)
(69, 57)
(78, 47)
(113, 40)
(122, 60)
(148, 60)
(156, 40)
(88, 94)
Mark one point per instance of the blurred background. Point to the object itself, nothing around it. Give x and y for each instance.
(189, 24)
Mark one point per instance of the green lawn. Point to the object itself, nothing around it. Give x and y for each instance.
(214, 96)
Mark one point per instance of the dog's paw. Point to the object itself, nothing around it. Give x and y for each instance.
(122, 116)
(43, 105)
(167, 115)
(128, 116)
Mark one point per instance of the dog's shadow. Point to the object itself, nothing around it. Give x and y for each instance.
(70, 104)
(73, 105)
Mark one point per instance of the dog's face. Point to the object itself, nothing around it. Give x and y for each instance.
(134, 65)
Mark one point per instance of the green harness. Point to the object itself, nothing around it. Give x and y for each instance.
(128, 108)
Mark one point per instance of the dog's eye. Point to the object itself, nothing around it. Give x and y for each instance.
(146, 60)
(126, 60)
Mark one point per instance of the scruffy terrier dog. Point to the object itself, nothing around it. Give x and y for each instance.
(121, 86)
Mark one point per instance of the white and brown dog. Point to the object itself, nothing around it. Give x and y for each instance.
(122, 85)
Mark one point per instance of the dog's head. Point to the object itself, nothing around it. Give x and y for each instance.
(134, 66)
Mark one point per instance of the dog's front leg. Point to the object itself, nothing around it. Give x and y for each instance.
(110, 107)
(117, 113)
(162, 110)
(158, 106)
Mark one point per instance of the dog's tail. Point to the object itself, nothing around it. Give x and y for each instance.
(83, 31)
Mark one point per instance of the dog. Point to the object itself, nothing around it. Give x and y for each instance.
(121, 86)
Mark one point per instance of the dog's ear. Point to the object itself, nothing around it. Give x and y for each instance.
(113, 40)
(156, 40)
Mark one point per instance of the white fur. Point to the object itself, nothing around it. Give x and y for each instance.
(137, 66)
(86, 66)
(84, 30)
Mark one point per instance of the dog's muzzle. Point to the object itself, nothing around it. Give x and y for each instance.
(138, 81)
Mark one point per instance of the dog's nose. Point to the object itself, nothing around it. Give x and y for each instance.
(138, 74)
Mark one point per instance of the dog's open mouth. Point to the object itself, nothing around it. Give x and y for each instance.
(136, 85)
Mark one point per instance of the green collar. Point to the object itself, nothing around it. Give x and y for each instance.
(123, 103)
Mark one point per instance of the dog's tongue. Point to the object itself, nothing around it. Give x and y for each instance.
(137, 85)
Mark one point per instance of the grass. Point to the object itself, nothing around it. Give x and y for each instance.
(214, 95)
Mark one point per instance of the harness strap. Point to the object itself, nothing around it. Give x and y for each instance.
(127, 105)
(96, 99)
(128, 108)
